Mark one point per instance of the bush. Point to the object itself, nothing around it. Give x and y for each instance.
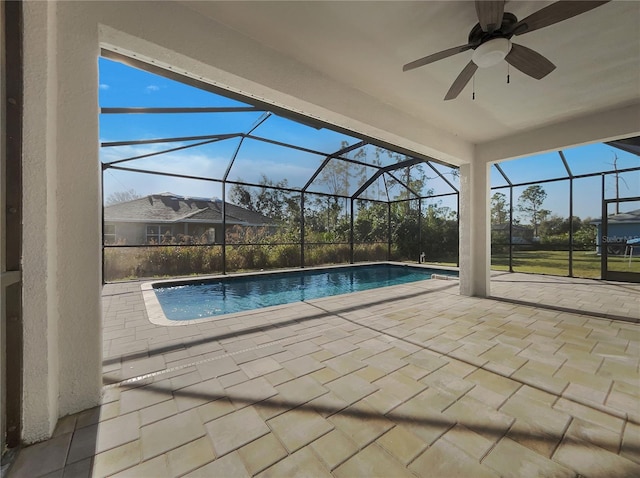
(134, 263)
(321, 254)
(121, 263)
(284, 255)
(256, 248)
(370, 252)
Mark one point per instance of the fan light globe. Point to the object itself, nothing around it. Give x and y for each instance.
(492, 52)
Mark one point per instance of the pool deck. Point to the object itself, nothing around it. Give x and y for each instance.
(413, 380)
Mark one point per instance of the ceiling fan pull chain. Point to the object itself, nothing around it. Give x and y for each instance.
(508, 79)
(473, 95)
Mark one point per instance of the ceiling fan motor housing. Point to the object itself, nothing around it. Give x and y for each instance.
(478, 36)
(491, 52)
(492, 47)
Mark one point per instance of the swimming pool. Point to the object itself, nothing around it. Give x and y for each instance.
(197, 299)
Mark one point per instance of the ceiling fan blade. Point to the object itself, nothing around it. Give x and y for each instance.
(436, 56)
(554, 13)
(490, 14)
(462, 80)
(529, 62)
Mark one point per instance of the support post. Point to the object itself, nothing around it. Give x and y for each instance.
(510, 228)
(351, 234)
(458, 225)
(388, 231)
(603, 233)
(224, 227)
(302, 229)
(475, 243)
(419, 228)
(566, 166)
(571, 227)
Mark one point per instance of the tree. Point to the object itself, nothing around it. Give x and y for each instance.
(499, 210)
(339, 178)
(335, 176)
(371, 222)
(585, 237)
(413, 177)
(530, 205)
(121, 196)
(268, 200)
(342, 177)
(554, 225)
(241, 196)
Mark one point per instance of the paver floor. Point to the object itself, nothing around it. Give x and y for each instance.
(415, 380)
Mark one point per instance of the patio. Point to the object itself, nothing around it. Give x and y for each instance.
(412, 380)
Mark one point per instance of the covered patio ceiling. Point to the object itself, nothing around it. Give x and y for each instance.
(592, 95)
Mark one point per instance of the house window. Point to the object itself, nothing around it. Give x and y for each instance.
(159, 234)
(211, 235)
(109, 234)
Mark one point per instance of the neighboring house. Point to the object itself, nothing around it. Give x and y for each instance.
(621, 228)
(501, 231)
(166, 217)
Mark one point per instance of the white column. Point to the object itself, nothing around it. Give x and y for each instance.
(40, 311)
(61, 264)
(78, 199)
(475, 240)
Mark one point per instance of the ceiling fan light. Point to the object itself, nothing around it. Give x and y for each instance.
(492, 52)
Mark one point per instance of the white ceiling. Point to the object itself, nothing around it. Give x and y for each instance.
(365, 44)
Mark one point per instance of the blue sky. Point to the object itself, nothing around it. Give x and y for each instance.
(123, 86)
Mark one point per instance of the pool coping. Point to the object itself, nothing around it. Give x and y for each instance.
(156, 315)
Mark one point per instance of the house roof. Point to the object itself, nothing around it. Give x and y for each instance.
(505, 227)
(516, 229)
(173, 208)
(631, 217)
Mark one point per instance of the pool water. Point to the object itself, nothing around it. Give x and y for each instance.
(235, 294)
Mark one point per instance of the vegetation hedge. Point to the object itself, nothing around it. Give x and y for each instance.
(122, 263)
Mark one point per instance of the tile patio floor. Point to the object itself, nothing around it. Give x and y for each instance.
(411, 380)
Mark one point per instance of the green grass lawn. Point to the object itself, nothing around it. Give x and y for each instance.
(585, 264)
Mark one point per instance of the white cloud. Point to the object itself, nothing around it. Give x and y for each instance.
(104, 86)
(251, 170)
(182, 162)
(193, 163)
(152, 88)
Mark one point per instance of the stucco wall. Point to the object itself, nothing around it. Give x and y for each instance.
(40, 385)
(61, 268)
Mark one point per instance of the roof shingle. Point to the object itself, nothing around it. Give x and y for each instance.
(173, 208)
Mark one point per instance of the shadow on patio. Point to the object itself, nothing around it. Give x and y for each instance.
(410, 380)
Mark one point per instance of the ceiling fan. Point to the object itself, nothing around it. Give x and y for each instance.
(491, 37)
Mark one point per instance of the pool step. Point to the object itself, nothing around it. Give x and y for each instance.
(443, 277)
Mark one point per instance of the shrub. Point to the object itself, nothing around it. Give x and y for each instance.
(284, 255)
(370, 252)
(321, 254)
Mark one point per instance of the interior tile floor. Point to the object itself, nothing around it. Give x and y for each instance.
(541, 379)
